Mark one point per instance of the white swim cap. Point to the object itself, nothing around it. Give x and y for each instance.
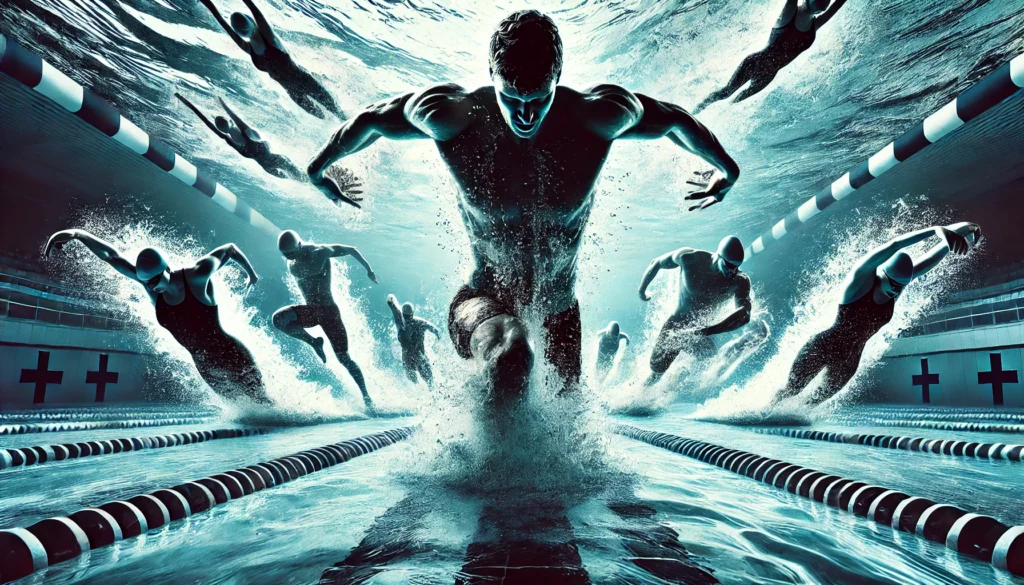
(730, 249)
(149, 264)
(899, 268)
(288, 241)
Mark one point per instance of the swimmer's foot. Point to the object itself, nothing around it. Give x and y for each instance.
(318, 347)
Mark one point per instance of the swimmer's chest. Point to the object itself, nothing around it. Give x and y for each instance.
(504, 178)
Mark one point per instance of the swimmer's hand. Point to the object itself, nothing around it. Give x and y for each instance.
(392, 300)
(372, 276)
(712, 189)
(57, 241)
(643, 295)
(975, 230)
(253, 277)
(957, 244)
(340, 185)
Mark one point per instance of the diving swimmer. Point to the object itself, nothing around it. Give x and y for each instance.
(793, 34)
(525, 153)
(869, 298)
(706, 282)
(187, 308)
(254, 35)
(246, 140)
(310, 264)
(411, 332)
(607, 346)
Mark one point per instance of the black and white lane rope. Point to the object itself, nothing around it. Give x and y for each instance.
(28, 68)
(954, 447)
(979, 536)
(57, 427)
(16, 457)
(983, 95)
(24, 551)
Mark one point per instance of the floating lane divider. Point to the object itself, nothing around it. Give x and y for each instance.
(100, 413)
(28, 68)
(931, 414)
(55, 427)
(953, 447)
(12, 457)
(24, 551)
(993, 89)
(979, 536)
(938, 425)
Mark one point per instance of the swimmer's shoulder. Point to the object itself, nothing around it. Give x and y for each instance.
(606, 109)
(443, 111)
(690, 255)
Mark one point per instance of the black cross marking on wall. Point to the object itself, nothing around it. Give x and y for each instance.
(101, 378)
(43, 375)
(997, 377)
(925, 379)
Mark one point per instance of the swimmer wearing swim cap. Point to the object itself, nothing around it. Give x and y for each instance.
(869, 298)
(187, 308)
(411, 333)
(706, 282)
(608, 341)
(310, 264)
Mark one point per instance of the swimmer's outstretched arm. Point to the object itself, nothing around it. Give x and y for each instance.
(437, 113)
(931, 259)
(824, 17)
(661, 119)
(739, 317)
(102, 249)
(242, 126)
(263, 25)
(624, 336)
(217, 259)
(396, 312)
(213, 127)
(865, 268)
(242, 43)
(339, 250)
(430, 327)
(665, 261)
(787, 14)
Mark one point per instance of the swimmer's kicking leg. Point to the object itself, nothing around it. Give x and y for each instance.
(287, 321)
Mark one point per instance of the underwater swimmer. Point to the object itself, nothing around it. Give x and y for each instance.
(869, 298)
(526, 153)
(187, 308)
(793, 34)
(254, 35)
(607, 346)
(411, 332)
(706, 281)
(246, 140)
(310, 264)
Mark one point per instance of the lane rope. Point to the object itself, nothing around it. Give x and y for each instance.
(954, 447)
(979, 98)
(24, 551)
(56, 427)
(976, 535)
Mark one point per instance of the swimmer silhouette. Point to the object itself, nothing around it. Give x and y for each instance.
(607, 346)
(706, 282)
(793, 34)
(869, 298)
(310, 264)
(411, 331)
(187, 308)
(246, 140)
(254, 35)
(526, 154)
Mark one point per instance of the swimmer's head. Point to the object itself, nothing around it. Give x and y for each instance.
(613, 328)
(407, 310)
(896, 273)
(243, 25)
(818, 6)
(222, 124)
(289, 243)
(152, 269)
(729, 256)
(525, 65)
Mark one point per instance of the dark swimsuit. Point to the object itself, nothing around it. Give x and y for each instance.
(785, 44)
(839, 347)
(223, 362)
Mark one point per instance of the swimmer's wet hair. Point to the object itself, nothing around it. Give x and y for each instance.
(526, 50)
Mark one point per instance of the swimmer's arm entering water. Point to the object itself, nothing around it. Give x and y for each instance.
(659, 119)
(396, 312)
(624, 336)
(242, 43)
(739, 317)
(204, 119)
(338, 250)
(824, 17)
(100, 248)
(438, 113)
(266, 31)
(666, 261)
(931, 259)
(242, 126)
(217, 259)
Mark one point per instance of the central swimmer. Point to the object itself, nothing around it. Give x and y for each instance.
(526, 153)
